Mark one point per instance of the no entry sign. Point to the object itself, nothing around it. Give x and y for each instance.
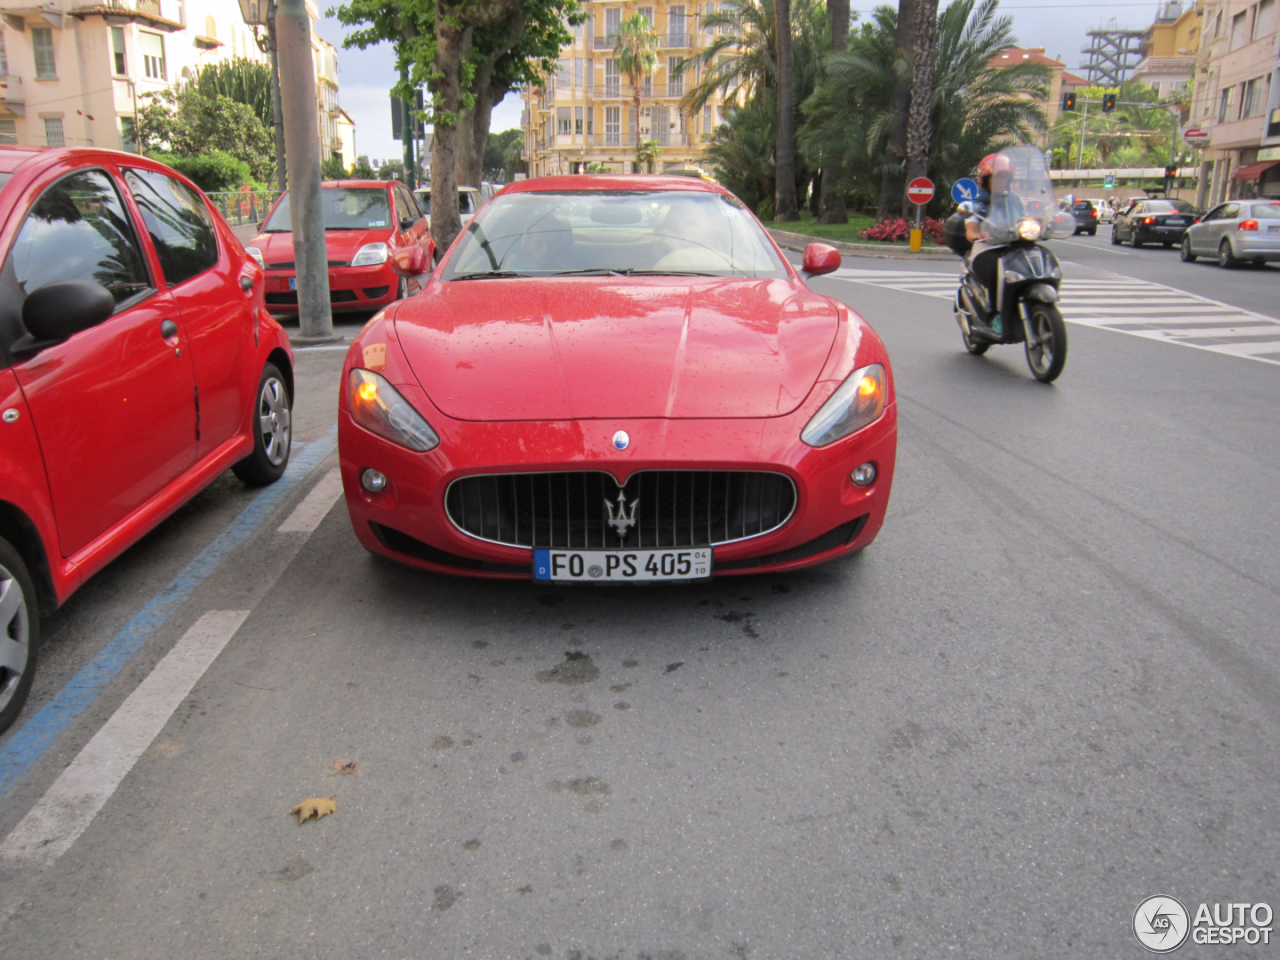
(1195, 135)
(920, 190)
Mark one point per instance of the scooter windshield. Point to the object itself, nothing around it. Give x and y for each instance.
(1028, 196)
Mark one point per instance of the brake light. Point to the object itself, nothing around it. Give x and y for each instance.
(1148, 219)
(1248, 225)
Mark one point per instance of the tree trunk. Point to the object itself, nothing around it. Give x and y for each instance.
(473, 132)
(636, 86)
(446, 85)
(831, 204)
(920, 117)
(485, 101)
(784, 197)
(895, 151)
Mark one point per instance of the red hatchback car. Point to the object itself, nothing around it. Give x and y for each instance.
(137, 363)
(365, 222)
(614, 380)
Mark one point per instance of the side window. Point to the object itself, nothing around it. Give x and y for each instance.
(79, 229)
(179, 224)
(415, 211)
(405, 210)
(1230, 211)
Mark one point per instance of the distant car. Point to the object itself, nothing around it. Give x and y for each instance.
(1086, 215)
(1106, 212)
(137, 363)
(1236, 232)
(470, 200)
(488, 189)
(1152, 221)
(365, 223)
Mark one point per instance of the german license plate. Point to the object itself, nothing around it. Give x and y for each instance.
(293, 283)
(1273, 229)
(622, 566)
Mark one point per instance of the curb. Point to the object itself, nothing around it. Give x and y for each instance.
(297, 340)
(798, 241)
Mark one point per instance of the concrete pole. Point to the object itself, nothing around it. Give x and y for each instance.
(1202, 189)
(406, 129)
(282, 168)
(302, 144)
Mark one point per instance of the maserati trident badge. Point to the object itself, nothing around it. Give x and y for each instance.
(622, 521)
(621, 440)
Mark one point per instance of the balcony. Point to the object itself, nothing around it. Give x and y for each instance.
(13, 100)
(676, 41)
(606, 43)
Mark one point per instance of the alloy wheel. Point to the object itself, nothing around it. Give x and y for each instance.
(15, 635)
(274, 421)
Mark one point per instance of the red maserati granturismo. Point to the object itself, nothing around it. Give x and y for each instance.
(616, 379)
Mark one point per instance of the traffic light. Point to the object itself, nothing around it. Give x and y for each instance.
(1170, 172)
(1068, 101)
(1108, 102)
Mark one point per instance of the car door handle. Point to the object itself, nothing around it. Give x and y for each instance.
(168, 329)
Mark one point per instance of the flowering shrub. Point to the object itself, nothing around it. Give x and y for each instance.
(899, 231)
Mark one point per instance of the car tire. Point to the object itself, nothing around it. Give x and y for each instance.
(272, 431)
(1226, 257)
(1168, 245)
(1134, 242)
(1046, 320)
(19, 623)
(1115, 237)
(1093, 232)
(1187, 255)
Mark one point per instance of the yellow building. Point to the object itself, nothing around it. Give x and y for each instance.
(1061, 81)
(1169, 49)
(585, 113)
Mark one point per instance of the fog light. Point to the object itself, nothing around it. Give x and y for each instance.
(864, 475)
(375, 482)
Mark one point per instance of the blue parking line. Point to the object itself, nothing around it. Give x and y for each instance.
(38, 734)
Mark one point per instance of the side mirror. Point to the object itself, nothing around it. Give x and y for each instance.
(410, 262)
(406, 223)
(819, 258)
(57, 310)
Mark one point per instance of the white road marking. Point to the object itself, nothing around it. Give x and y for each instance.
(70, 804)
(1126, 305)
(315, 505)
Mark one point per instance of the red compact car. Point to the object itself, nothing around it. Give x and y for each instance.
(365, 222)
(616, 379)
(137, 363)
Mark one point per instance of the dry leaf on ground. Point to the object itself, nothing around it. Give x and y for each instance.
(344, 766)
(315, 807)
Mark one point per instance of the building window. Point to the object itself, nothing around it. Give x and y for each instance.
(1239, 30)
(706, 122)
(53, 132)
(577, 121)
(675, 79)
(612, 82)
(1251, 103)
(182, 12)
(8, 131)
(4, 59)
(128, 135)
(675, 26)
(646, 86)
(117, 50)
(562, 121)
(1155, 88)
(42, 44)
(210, 28)
(612, 126)
(1224, 105)
(1264, 19)
(612, 19)
(152, 47)
(646, 13)
(577, 72)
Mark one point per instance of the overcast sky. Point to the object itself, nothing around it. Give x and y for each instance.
(367, 75)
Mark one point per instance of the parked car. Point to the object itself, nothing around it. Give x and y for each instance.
(546, 409)
(1236, 232)
(1086, 215)
(470, 200)
(1106, 212)
(488, 189)
(365, 222)
(137, 363)
(1152, 221)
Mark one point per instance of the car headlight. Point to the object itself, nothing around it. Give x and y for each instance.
(857, 402)
(1030, 229)
(256, 254)
(379, 408)
(371, 254)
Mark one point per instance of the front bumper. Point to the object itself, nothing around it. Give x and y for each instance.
(407, 521)
(365, 289)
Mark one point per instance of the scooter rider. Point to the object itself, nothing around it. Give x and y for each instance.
(1000, 207)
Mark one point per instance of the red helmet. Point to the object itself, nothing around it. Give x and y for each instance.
(994, 163)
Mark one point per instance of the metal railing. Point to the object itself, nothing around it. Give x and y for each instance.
(673, 41)
(606, 43)
(243, 206)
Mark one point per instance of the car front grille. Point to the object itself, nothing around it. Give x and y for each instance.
(574, 509)
(290, 265)
(373, 293)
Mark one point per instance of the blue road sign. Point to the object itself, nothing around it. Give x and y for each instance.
(964, 189)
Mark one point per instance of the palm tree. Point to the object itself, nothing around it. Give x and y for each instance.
(739, 62)
(636, 47)
(784, 203)
(647, 153)
(921, 111)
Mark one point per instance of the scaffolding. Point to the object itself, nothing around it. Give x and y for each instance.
(1112, 53)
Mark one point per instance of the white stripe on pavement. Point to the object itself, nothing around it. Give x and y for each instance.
(70, 804)
(315, 505)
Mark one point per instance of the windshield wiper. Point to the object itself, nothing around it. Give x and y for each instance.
(591, 272)
(489, 275)
(666, 273)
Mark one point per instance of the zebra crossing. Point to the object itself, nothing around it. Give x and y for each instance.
(1126, 305)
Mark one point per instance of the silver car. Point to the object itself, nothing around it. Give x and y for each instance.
(1235, 232)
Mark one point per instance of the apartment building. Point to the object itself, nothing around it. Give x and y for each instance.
(585, 112)
(72, 74)
(1237, 99)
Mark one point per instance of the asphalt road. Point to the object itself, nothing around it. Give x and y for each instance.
(1048, 691)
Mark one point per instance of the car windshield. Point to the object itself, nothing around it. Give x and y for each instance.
(614, 231)
(345, 208)
(1168, 206)
(1082, 205)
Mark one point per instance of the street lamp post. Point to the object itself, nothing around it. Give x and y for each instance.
(262, 13)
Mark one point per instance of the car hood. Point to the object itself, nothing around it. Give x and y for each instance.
(340, 245)
(666, 347)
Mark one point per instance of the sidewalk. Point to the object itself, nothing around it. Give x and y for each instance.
(798, 241)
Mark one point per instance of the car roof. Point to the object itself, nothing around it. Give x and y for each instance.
(358, 183)
(609, 181)
(12, 157)
(427, 189)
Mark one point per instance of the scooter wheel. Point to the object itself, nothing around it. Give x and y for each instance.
(1049, 354)
(976, 347)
